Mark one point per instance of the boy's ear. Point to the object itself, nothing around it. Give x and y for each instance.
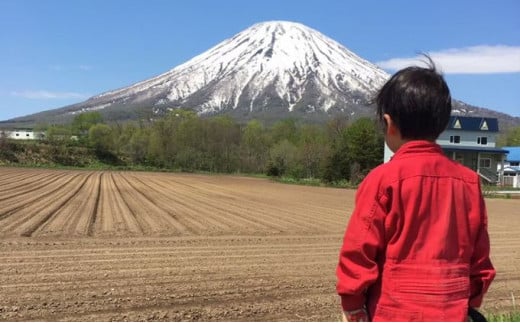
(391, 129)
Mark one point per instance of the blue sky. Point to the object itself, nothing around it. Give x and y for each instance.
(59, 52)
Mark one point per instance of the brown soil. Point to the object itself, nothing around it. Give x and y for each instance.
(128, 246)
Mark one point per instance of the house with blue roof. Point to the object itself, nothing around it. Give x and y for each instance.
(512, 167)
(472, 142)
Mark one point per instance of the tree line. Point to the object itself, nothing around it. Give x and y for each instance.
(338, 151)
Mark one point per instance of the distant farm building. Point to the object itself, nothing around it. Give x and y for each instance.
(22, 134)
(512, 167)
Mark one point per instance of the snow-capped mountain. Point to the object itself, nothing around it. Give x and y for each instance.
(271, 70)
(282, 64)
(272, 66)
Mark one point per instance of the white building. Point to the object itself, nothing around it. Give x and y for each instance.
(22, 134)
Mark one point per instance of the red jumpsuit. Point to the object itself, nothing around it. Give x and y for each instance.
(416, 247)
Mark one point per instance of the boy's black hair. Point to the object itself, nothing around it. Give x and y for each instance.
(418, 100)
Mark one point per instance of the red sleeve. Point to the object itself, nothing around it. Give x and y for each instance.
(357, 268)
(481, 271)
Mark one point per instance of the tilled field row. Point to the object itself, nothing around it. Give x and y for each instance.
(143, 284)
(111, 204)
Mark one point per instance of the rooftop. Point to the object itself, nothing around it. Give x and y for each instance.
(473, 124)
(514, 153)
(475, 148)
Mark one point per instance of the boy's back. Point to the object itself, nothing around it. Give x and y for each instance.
(435, 205)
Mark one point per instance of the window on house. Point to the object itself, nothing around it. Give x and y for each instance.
(455, 139)
(27, 135)
(482, 140)
(484, 125)
(17, 134)
(514, 163)
(456, 124)
(485, 163)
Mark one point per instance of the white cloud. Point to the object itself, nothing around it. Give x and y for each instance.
(85, 67)
(48, 95)
(56, 67)
(469, 60)
(60, 68)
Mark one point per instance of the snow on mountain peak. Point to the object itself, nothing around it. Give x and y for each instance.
(270, 63)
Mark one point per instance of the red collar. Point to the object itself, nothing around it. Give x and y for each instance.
(415, 147)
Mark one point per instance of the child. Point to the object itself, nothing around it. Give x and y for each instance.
(416, 247)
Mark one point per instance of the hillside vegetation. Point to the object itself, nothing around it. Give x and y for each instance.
(338, 151)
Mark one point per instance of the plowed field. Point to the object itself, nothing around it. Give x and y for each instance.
(102, 246)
